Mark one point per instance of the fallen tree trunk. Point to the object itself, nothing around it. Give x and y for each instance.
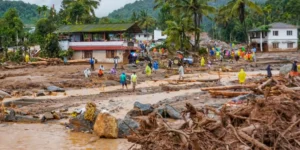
(264, 84)
(228, 94)
(14, 67)
(78, 61)
(230, 87)
(39, 63)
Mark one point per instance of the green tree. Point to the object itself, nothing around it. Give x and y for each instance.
(104, 20)
(145, 21)
(238, 9)
(51, 47)
(176, 31)
(134, 17)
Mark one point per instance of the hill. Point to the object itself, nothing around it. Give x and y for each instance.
(27, 12)
(125, 12)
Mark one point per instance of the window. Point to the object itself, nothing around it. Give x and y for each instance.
(110, 54)
(289, 33)
(275, 33)
(275, 45)
(88, 54)
(145, 35)
(290, 45)
(139, 35)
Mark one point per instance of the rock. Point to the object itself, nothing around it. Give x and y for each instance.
(93, 139)
(63, 110)
(284, 70)
(40, 93)
(1, 97)
(196, 98)
(56, 116)
(134, 112)
(11, 116)
(79, 124)
(25, 119)
(48, 115)
(55, 89)
(28, 93)
(124, 130)
(144, 90)
(4, 94)
(106, 126)
(145, 109)
(172, 112)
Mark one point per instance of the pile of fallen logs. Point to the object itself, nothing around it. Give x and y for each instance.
(268, 122)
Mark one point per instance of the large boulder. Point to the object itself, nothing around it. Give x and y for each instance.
(123, 124)
(55, 89)
(284, 70)
(106, 126)
(11, 116)
(145, 109)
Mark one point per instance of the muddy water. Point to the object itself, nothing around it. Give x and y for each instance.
(52, 136)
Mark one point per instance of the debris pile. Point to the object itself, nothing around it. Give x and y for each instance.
(268, 122)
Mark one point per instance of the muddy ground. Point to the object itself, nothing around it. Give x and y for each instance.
(53, 135)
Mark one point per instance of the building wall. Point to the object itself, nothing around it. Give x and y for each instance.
(158, 35)
(77, 55)
(283, 39)
(141, 37)
(100, 55)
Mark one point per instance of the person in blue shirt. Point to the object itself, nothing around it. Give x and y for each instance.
(92, 62)
(123, 80)
(155, 66)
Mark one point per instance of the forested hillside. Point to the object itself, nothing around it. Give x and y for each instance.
(125, 12)
(27, 12)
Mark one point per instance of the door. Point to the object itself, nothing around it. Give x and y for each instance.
(125, 57)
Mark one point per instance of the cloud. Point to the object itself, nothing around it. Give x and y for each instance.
(106, 6)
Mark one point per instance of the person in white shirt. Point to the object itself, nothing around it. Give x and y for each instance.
(87, 73)
(116, 62)
(181, 72)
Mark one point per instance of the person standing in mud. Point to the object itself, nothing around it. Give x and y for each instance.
(123, 80)
(116, 62)
(92, 62)
(133, 81)
(269, 71)
(181, 72)
(294, 71)
(170, 63)
(237, 57)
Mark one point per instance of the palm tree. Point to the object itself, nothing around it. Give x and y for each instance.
(89, 5)
(197, 9)
(176, 32)
(238, 8)
(145, 21)
(44, 9)
(39, 10)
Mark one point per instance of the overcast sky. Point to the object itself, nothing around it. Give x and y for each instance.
(106, 6)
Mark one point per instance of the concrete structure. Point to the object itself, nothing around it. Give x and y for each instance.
(158, 35)
(144, 36)
(274, 37)
(103, 42)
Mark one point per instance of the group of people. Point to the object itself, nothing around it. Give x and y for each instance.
(234, 54)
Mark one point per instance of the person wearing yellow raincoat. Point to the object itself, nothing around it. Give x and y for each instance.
(27, 58)
(242, 76)
(148, 70)
(202, 62)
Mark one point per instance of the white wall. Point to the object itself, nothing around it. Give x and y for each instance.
(141, 37)
(283, 39)
(100, 55)
(64, 45)
(282, 34)
(158, 35)
(77, 55)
